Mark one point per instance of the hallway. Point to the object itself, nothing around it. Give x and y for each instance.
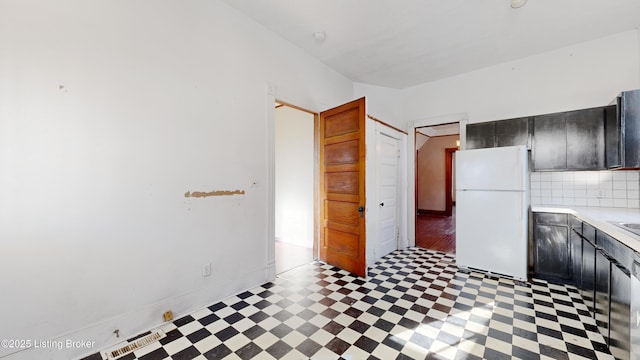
(436, 232)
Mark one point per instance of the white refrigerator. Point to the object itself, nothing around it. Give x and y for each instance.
(492, 205)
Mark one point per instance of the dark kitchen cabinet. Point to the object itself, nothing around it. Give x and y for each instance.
(588, 277)
(481, 135)
(600, 269)
(620, 312)
(585, 139)
(573, 140)
(575, 249)
(551, 247)
(512, 132)
(603, 276)
(623, 131)
(613, 149)
(587, 290)
(550, 142)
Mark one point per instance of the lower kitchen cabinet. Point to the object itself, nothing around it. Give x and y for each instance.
(603, 276)
(620, 312)
(575, 249)
(551, 247)
(570, 251)
(588, 277)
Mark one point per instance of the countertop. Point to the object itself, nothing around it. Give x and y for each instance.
(602, 219)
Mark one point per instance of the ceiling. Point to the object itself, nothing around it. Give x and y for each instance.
(403, 43)
(440, 130)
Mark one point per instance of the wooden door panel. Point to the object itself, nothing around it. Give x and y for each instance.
(342, 123)
(342, 155)
(345, 182)
(342, 242)
(346, 152)
(342, 212)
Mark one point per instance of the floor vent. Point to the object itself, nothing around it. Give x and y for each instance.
(135, 345)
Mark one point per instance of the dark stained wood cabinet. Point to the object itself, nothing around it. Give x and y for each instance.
(622, 125)
(481, 135)
(552, 260)
(620, 312)
(512, 132)
(550, 142)
(585, 139)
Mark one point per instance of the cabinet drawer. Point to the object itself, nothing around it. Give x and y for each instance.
(551, 218)
(615, 250)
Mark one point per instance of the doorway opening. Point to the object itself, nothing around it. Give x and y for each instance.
(435, 186)
(295, 187)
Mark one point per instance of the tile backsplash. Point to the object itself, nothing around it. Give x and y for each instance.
(587, 188)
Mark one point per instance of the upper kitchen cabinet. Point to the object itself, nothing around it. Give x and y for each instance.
(500, 133)
(585, 139)
(573, 140)
(512, 132)
(623, 131)
(550, 142)
(481, 135)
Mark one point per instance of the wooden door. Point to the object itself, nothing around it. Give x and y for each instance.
(342, 191)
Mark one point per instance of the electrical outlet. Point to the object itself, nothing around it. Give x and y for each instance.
(206, 269)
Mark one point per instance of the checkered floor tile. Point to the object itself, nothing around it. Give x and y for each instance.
(415, 304)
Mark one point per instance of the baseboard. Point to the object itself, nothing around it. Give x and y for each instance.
(100, 336)
(432, 212)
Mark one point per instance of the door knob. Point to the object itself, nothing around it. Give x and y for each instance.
(361, 211)
(381, 204)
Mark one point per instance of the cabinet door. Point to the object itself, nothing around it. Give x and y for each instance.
(550, 142)
(603, 273)
(481, 135)
(585, 139)
(631, 128)
(575, 242)
(620, 325)
(588, 274)
(512, 132)
(551, 261)
(612, 141)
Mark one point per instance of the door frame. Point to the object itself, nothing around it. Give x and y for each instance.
(275, 94)
(448, 182)
(462, 119)
(375, 126)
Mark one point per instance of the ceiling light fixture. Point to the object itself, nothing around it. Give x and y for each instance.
(319, 36)
(518, 3)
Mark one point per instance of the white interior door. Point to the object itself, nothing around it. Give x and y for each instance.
(388, 155)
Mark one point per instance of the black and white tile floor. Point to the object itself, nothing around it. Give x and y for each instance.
(415, 304)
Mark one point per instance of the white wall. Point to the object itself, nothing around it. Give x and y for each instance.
(580, 76)
(110, 112)
(294, 182)
(432, 175)
(383, 103)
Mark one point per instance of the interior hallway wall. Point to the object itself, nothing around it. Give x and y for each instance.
(431, 172)
(112, 114)
(294, 176)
